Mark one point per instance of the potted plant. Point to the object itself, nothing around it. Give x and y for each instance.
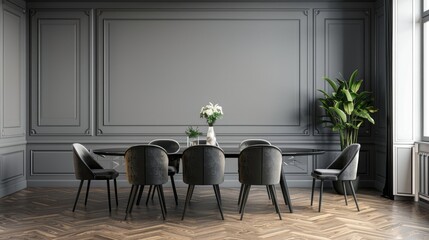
(193, 135)
(346, 110)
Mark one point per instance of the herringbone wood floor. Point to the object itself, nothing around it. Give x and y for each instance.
(45, 213)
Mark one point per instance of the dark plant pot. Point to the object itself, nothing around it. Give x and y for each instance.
(338, 186)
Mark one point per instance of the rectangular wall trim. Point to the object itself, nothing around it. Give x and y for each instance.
(61, 95)
(161, 58)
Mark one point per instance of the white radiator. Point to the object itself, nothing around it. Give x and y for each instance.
(424, 175)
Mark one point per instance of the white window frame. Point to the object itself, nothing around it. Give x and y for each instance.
(425, 73)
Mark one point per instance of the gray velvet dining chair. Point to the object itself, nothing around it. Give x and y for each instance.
(87, 168)
(343, 168)
(203, 165)
(260, 165)
(244, 144)
(146, 165)
(171, 146)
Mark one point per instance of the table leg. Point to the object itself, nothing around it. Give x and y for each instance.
(285, 192)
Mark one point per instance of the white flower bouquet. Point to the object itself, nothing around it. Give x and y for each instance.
(211, 113)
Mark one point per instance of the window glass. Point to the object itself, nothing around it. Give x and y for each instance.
(426, 78)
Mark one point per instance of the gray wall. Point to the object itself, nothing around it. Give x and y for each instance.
(12, 97)
(107, 74)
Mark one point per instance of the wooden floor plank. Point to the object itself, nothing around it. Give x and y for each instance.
(45, 213)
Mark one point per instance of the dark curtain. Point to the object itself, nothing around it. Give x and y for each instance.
(388, 186)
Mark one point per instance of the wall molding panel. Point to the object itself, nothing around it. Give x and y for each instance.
(342, 43)
(60, 95)
(13, 97)
(12, 169)
(154, 58)
(14, 73)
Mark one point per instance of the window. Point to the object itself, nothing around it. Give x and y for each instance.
(425, 22)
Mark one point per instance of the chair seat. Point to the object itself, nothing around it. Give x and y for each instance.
(103, 174)
(326, 174)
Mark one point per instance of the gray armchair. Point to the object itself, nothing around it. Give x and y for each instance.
(171, 146)
(343, 168)
(146, 165)
(250, 142)
(244, 144)
(260, 165)
(86, 168)
(203, 165)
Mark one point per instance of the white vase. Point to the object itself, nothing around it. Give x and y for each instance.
(211, 136)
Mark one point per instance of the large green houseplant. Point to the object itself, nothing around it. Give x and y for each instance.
(346, 108)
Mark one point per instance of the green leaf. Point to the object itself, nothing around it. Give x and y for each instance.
(372, 109)
(348, 107)
(364, 114)
(355, 86)
(347, 94)
(332, 83)
(340, 113)
(353, 77)
(325, 93)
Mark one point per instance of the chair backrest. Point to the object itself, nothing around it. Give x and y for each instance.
(203, 165)
(83, 162)
(260, 165)
(249, 142)
(146, 165)
(348, 162)
(204, 142)
(170, 145)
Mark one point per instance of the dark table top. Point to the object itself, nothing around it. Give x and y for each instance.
(232, 153)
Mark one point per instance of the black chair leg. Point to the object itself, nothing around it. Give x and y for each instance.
(139, 196)
(245, 186)
(173, 185)
(218, 193)
(274, 197)
(153, 193)
(77, 196)
(161, 201)
(354, 195)
(148, 194)
(163, 198)
(116, 191)
(188, 198)
(268, 193)
(245, 196)
(240, 195)
(285, 192)
(108, 195)
(321, 195)
(87, 191)
(218, 199)
(133, 194)
(129, 200)
(133, 199)
(345, 192)
(192, 193)
(312, 191)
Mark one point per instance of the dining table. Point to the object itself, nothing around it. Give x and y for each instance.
(231, 153)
